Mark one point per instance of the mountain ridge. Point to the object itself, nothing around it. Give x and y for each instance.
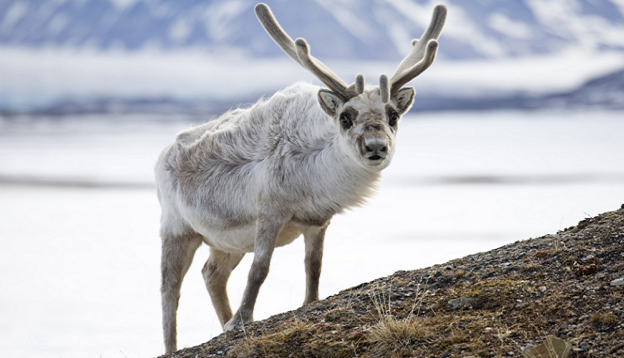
(604, 92)
(368, 30)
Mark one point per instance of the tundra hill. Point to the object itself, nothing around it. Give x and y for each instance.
(493, 304)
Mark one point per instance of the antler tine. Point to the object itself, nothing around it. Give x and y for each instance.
(359, 83)
(422, 54)
(398, 81)
(322, 72)
(277, 33)
(300, 52)
(384, 89)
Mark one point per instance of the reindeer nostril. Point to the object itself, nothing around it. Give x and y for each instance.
(384, 149)
(369, 149)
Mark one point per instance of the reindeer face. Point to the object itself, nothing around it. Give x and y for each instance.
(367, 117)
(367, 125)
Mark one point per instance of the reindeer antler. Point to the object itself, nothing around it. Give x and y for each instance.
(418, 60)
(300, 51)
(420, 57)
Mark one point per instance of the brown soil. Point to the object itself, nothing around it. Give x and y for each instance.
(493, 304)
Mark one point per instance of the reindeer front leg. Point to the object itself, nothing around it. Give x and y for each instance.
(268, 228)
(314, 238)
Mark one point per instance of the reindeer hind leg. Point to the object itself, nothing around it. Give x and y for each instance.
(216, 273)
(177, 255)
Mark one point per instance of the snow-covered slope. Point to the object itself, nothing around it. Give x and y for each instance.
(363, 29)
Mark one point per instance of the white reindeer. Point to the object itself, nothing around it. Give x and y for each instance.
(258, 178)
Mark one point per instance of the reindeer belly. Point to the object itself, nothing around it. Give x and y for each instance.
(288, 235)
(234, 240)
(242, 238)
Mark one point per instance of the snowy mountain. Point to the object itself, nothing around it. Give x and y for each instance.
(162, 55)
(604, 92)
(368, 30)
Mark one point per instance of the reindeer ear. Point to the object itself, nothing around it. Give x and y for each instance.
(404, 99)
(329, 101)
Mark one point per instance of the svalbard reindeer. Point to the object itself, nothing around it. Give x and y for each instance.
(258, 178)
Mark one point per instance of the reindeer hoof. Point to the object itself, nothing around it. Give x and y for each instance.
(233, 324)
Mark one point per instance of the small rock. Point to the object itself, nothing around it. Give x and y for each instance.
(618, 282)
(617, 267)
(464, 302)
(583, 346)
(586, 270)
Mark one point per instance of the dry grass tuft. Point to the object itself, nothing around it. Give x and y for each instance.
(295, 339)
(606, 319)
(396, 336)
(392, 336)
(271, 345)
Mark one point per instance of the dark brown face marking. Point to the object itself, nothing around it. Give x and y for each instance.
(347, 117)
(374, 126)
(393, 116)
(374, 120)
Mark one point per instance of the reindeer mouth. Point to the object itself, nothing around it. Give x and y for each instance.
(375, 160)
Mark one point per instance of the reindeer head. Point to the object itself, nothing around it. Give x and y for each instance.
(367, 116)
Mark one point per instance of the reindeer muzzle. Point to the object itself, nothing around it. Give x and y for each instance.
(374, 148)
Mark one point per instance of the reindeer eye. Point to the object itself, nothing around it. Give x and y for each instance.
(393, 117)
(345, 121)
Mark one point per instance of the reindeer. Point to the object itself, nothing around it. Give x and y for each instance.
(257, 178)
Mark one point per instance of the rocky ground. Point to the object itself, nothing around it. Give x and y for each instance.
(501, 303)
